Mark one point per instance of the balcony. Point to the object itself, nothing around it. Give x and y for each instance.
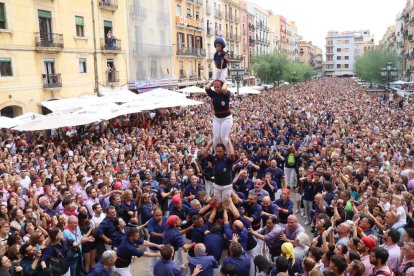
(109, 5)
(49, 42)
(252, 41)
(237, 38)
(237, 58)
(112, 77)
(217, 13)
(110, 45)
(51, 81)
(252, 27)
(232, 36)
(197, 52)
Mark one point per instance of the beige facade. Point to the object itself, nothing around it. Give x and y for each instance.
(188, 37)
(47, 50)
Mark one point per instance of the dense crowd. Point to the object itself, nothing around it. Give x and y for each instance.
(89, 200)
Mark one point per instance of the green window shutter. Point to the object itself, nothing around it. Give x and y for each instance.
(5, 59)
(79, 21)
(108, 24)
(44, 14)
(2, 13)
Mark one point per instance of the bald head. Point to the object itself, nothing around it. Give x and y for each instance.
(293, 218)
(238, 225)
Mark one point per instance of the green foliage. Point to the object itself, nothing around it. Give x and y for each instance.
(368, 67)
(275, 68)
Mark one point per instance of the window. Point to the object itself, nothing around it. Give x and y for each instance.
(3, 24)
(178, 10)
(338, 66)
(346, 66)
(5, 67)
(338, 58)
(338, 50)
(79, 21)
(346, 57)
(188, 12)
(82, 65)
(346, 41)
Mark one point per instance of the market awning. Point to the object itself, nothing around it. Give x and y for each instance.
(53, 121)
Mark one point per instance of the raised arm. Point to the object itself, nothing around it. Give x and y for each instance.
(231, 150)
(204, 151)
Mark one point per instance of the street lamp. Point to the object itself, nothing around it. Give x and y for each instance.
(237, 74)
(388, 73)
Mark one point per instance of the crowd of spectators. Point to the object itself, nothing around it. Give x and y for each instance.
(89, 200)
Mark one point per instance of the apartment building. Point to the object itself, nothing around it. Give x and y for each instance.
(47, 51)
(310, 54)
(343, 50)
(188, 39)
(261, 28)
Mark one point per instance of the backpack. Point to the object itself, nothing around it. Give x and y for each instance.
(291, 161)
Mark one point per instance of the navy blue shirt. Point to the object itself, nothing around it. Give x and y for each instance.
(288, 206)
(243, 234)
(182, 214)
(242, 264)
(154, 227)
(222, 169)
(244, 186)
(100, 270)
(254, 212)
(277, 176)
(221, 103)
(207, 262)
(146, 212)
(167, 268)
(106, 227)
(272, 209)
(125, 251)
(190, 190)
(197, 233)
(173, 238)
(131, 207)
(218, 57)
(214, 243)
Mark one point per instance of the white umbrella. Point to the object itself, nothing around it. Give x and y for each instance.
(192, 90)
(119, 95)
(6, 122)
(244, 90)
(28, 117)
(53, 121)
(178, 102)
(103, 112)
(399, 82)
(159, 93)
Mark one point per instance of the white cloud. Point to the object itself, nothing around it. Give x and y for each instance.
(314, 18)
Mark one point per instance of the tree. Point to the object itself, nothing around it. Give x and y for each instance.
(368, 67)
(275, 68)
(270, 68)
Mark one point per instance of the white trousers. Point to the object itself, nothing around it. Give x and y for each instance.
(178, 257)
(209, 188)
(221, 192)
(291, 177)
(124, 271)
(220, 74)
(221, 131)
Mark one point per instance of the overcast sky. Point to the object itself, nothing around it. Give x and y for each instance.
(314, 18)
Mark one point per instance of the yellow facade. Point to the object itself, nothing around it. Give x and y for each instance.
(48, 48)
(188, 37)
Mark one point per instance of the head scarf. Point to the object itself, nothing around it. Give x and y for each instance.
(369, 242)
(176, 199)
(172, 220)
(287, 249)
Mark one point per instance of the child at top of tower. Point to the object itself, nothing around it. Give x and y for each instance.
(221, 59)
